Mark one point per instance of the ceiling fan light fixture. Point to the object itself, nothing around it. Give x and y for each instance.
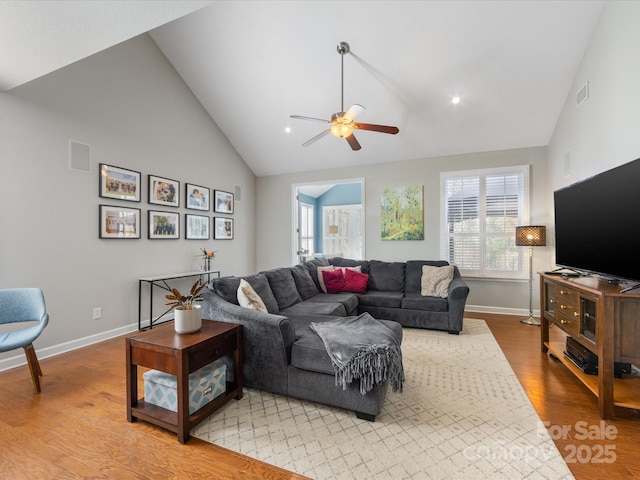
(342, 123)
(341, 127)
(342, 130)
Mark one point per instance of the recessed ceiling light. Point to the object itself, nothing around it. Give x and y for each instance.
(455, 100)
(287, 129)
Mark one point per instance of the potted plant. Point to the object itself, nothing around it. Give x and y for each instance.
(187, 314)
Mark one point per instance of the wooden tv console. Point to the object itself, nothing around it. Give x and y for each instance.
(570, 304)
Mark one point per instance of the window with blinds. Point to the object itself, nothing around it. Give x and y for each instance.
(480, 211)
(306, 231)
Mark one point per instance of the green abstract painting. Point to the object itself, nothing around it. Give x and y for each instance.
(401, 213)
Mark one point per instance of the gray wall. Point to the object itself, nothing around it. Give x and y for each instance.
(603, 131)
(133, 109)
(129, 104)
(275, 221)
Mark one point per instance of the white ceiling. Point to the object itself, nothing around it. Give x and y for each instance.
(253, 63)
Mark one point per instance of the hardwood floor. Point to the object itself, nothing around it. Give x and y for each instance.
(76, 428)
(562, 401)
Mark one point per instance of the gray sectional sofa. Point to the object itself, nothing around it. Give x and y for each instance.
(281, 352)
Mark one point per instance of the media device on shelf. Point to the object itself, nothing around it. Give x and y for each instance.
(587, 361)
(597, 225)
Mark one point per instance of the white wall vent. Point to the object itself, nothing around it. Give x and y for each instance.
(237, 193)
(79, 156)
(582, 95)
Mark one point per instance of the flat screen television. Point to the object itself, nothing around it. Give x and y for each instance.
(597, 224)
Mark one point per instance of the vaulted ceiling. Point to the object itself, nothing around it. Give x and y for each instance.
(252, 64)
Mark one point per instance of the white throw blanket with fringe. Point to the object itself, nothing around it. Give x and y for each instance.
(362, 348)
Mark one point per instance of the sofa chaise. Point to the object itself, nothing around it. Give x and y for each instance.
(282, 354)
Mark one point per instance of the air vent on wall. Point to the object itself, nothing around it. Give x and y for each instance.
(238, 193)
(79, 157)
(582, 94)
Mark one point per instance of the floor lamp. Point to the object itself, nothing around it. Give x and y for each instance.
(531, 236)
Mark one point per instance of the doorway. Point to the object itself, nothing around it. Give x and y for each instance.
(329, 220)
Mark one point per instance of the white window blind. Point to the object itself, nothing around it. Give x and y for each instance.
(480, 210)
(347, 240)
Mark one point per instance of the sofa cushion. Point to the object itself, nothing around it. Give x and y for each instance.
(314, 308)
(304, 283)
(283, 287)
(413, 273)
(308, 351)
(346, 262)
(349, 300)
(226, 288)
(435, 281)
(386, 276)
(416, 301)
(248, 298)
(376, 298)
(333, 280)
(260, 284)
(355, 282)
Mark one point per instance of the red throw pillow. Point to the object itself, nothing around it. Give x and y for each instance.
(333, 280)
(355, 282)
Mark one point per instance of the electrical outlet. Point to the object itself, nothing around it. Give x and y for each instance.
(97, 313)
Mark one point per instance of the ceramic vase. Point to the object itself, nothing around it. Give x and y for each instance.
(188, 321)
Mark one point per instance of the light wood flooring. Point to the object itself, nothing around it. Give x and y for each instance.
(77, 429)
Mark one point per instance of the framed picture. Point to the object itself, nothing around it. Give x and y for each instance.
(402, 213)
(223, 228)
(164, 225)
(119, 222)
(164, 191)
(197, 197)
(196, 227)
(222, 202)
(119, 183)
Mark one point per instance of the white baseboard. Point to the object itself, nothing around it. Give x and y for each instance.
(500, 310)
(54, 350)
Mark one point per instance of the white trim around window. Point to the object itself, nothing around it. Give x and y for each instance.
(479, 212)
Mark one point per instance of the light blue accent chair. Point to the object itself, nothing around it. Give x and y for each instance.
(23, 305)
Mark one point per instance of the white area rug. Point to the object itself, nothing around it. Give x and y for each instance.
(462, 415)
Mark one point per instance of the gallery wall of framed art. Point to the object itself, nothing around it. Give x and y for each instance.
(124, 222)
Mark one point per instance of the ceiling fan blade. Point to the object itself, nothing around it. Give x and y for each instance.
(353, 112)
(376, 128)
(300, 117)
(316, 138)
(351, 140)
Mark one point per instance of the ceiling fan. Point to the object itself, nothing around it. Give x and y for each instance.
(342, 123)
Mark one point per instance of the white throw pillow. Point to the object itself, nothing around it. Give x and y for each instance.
(435, 281)
(321, 278)
(248, 298)
(355, 269)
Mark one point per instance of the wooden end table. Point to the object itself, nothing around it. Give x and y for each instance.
(181, 354)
